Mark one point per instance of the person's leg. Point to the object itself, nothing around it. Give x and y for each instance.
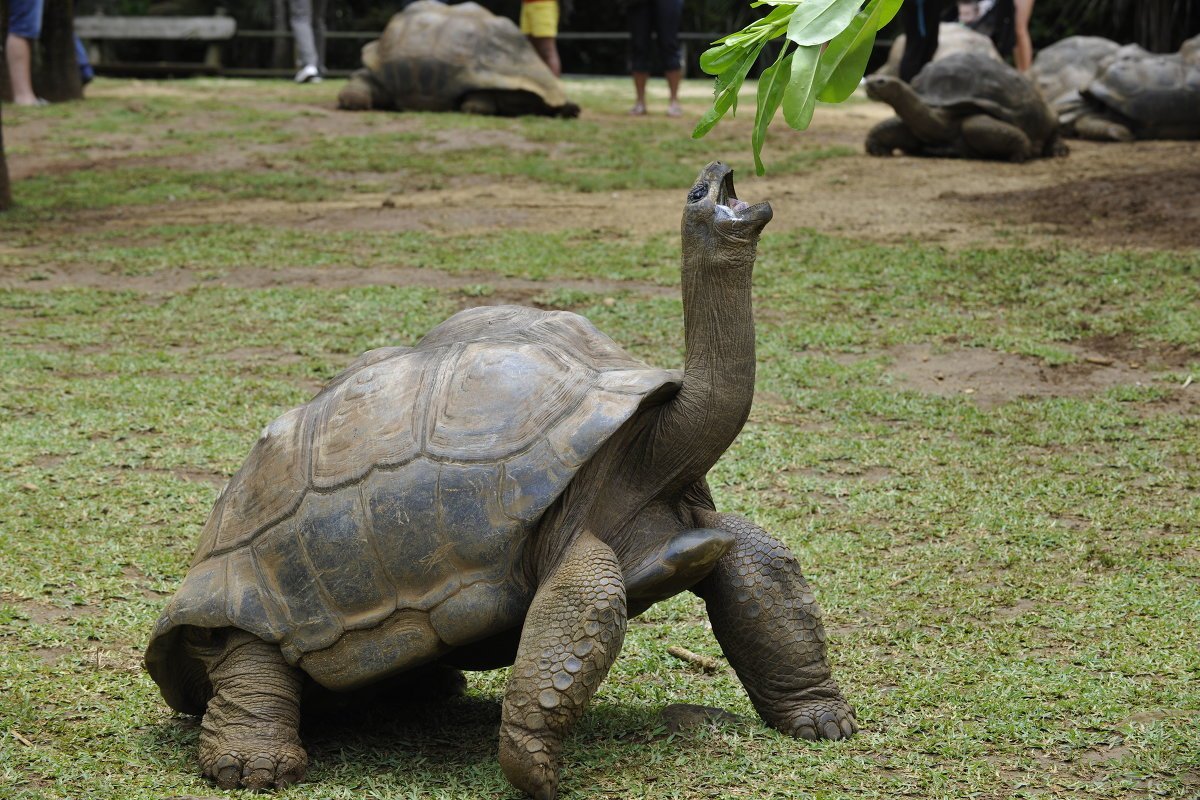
(539, 23)
(24, 28)
(318, 25)
(300, 15)
(640, 24)
(1023, 50)
(921, 19)
(667, 14)
(19, 55)
(86, 73)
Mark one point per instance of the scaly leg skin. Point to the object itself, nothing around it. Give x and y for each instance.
(249, 736)
(572, 635)
(768, 623)
(993, 138)
(1102, 129)
(892, 134)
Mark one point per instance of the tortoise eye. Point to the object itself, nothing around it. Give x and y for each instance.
(698, 192)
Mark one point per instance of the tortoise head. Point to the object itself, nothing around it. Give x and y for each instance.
(884, 88)
(714, 219)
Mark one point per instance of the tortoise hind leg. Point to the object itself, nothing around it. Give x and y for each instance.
(571, 637)
(249, 736)
(768, 624)
(993, 138)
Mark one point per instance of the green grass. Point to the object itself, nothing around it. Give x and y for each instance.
(1012, 591)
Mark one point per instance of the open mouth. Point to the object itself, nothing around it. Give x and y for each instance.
(727, 197)
(729, 209)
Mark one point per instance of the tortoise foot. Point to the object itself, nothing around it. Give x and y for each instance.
(530, 760)
(253, 763)
(819, 718)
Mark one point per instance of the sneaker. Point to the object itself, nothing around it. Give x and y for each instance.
(308, 74)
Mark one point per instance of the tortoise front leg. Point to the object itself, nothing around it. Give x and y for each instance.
(572, 635)
(891, 135)
(250, 732)
(768, 623)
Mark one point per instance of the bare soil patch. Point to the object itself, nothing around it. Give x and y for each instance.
(990, 378)
(1158, 208)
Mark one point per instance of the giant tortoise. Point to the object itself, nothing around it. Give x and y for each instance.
(1142, 95)
(437, 57)
(966, 105)
(508, 491)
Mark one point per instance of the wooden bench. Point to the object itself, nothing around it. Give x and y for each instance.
(100, 30)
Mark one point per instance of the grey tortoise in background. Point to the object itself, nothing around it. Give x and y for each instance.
(511, 490)
(1107, 92)
(966, 105)
(437, 57)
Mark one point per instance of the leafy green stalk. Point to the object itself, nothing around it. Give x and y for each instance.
(833, 40)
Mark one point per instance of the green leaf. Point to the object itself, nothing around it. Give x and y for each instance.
(845, 59)
(800, 96)
(808, 26)
(727, 85)
(770, 94)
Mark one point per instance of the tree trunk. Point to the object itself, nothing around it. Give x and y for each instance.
(56, 76)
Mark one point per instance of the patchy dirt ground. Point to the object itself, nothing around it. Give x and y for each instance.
(1143, 194)
(1100, 197)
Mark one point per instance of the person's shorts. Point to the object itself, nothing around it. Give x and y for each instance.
(539, 18)
(25, 18)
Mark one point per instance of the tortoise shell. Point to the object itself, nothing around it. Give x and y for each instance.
(971, 83)
(1069, 65)
(1158, 94)
(431, 54)
(389, 514)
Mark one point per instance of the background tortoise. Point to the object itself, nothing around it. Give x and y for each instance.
(1140, 95)
(1062, 69)
(508, 491)
(436, 57)
(965, 105)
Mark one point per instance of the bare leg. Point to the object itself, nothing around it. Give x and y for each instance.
(250, 732)
(572, 635)
(992, 138)
(639, 88)
(1023, 51)
(20, 65)
(673, 77)
(547, 48)
(768, 623)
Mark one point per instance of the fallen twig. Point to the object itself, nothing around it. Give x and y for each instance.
(704, 662)
(16, 735)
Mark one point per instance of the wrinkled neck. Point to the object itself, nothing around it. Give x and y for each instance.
(927, 123)
(710, 409)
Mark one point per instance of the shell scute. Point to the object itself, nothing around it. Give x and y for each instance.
(370, 420)
(332, 529)
(268, 487)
